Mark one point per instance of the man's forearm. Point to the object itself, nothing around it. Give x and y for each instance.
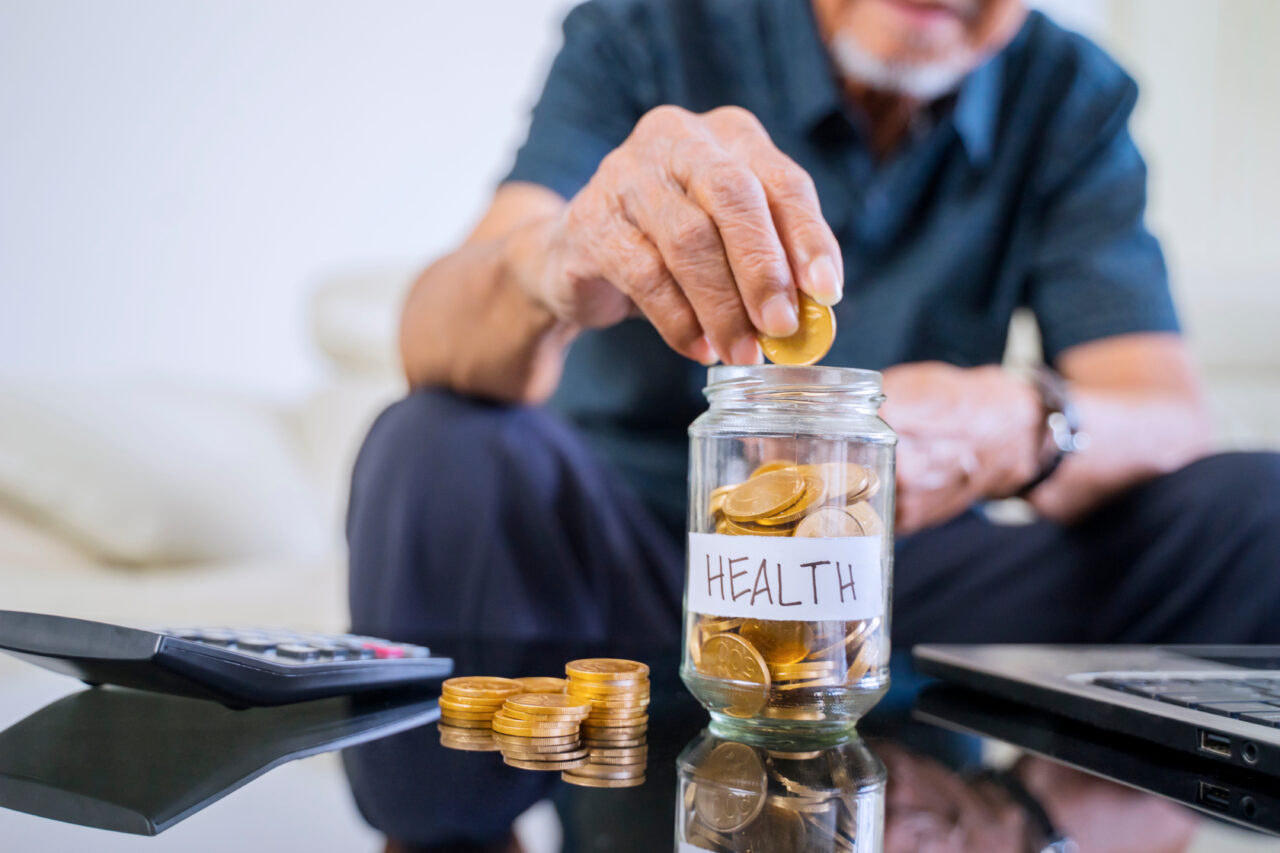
(1133, 436)
(470, 323)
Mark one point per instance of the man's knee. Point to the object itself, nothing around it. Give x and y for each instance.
(434, 437)
(1230, 500)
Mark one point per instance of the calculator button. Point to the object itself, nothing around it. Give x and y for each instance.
(255, 645)
(388, 652)
(417, 652)
(297, 652)
(327, 651)
(357, 650)
(218, 637)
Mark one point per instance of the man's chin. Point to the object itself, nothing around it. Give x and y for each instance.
(923, 80)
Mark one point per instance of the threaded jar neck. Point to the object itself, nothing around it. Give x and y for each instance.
(794, 387)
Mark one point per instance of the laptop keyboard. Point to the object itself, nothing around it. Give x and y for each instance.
(1253, 700)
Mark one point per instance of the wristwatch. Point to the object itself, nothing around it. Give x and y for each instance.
(1062, 423)
(1045, 837)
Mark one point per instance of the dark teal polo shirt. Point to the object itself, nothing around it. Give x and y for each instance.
(1023, 188)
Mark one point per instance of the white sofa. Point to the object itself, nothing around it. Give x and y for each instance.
(149, 502)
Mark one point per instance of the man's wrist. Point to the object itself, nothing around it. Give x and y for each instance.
(1060, 432)
(526, 258)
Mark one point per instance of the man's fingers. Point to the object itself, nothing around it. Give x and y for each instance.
(635, 266)
(691, 248)
(812, 250)
(731, 195)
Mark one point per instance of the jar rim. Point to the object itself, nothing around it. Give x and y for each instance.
(852, 381)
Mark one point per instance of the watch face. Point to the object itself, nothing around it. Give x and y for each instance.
(1062, 845)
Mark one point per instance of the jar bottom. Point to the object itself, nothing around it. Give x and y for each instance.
(831, 716)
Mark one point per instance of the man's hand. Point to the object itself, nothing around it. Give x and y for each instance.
(931, 808)
(964, 435)
(699, 223)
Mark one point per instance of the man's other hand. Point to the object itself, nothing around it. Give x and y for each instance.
(700, 224)
(965, 434)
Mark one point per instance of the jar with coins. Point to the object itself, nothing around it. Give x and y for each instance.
(734, 797)
(790, 550)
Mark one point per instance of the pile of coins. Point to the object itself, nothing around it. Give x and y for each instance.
(590, 727)
(780, 669)
(615, 729)
(748, 800)
(780, 498)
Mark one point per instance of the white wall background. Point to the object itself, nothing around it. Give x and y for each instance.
(175, 176)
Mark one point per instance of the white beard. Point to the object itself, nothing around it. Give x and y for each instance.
(923, 81)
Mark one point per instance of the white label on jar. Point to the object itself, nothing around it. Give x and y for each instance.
(785, 577)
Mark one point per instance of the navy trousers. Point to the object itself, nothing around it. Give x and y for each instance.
(469, 519)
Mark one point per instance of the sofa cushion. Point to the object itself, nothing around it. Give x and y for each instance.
(147, 473)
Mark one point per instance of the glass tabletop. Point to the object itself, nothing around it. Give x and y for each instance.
(121, 765)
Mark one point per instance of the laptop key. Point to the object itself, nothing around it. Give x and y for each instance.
(1266, 718)
(1235, 709)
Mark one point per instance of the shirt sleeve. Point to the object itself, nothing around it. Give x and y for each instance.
(1095, 269)
(591, 101)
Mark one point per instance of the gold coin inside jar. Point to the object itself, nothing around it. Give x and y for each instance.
(846, 481)
(730, 658)
(811, 341)
(867, 517)
(765, 495)
(778, 642)
(829, 523)
(771, 465)
(815, 492)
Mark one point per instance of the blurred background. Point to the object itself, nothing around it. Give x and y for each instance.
(209, 212)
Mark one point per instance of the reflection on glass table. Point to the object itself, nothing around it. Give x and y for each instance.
(138, 763)
(135, 762)
(732, 796)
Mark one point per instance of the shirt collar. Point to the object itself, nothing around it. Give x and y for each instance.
(809, 79)
(813, 90)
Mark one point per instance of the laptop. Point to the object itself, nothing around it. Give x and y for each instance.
(1244, 797)
(1218, 702)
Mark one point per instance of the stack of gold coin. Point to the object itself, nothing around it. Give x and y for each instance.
(469, 703)
(540, 731)
(614, 732)
(468, 740)
(824, 499)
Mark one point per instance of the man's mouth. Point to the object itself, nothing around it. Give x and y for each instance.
(933, 12)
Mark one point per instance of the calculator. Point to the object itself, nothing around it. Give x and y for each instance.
(239, 668)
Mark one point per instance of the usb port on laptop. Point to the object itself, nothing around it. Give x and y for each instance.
(1214, 797)
(1215, 744)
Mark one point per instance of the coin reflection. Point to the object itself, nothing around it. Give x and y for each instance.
(753, 799)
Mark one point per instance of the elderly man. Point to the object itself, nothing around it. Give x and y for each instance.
(924, 167)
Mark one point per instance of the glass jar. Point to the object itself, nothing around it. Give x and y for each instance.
(790, 552)
(734, 796)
